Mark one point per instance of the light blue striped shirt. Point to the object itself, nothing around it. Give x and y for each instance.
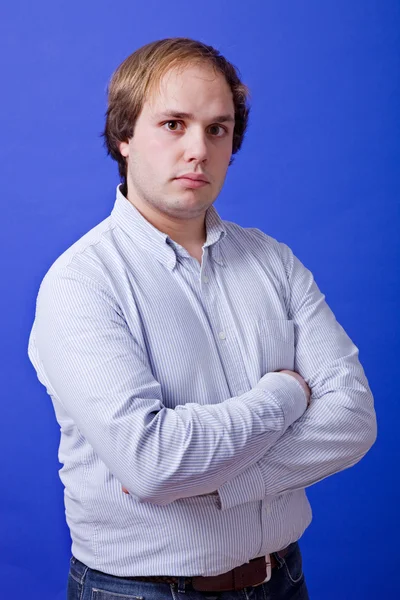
(161, 373)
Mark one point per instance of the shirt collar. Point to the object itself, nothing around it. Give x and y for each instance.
(154, 241)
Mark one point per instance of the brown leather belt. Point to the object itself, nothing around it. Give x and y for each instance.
(253, 573)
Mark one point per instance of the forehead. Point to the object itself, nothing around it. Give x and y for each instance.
(192, 89)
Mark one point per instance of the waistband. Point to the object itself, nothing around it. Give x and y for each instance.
(251, 574)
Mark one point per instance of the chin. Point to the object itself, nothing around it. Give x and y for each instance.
(186, 207)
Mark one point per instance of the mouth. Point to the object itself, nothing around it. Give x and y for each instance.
(191, 183)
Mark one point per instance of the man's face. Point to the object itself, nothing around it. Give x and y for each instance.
(185, 128)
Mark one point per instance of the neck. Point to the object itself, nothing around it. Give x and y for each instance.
(189, 233)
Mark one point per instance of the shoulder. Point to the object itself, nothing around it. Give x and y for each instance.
(83, 261)
(260, 244)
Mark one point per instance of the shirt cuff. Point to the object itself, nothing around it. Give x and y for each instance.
(288, 393)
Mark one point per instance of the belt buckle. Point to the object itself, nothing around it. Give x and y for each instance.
(269, 570)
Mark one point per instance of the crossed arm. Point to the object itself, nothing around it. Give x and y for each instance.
(307, 392)
(261, 443)
(339, 426)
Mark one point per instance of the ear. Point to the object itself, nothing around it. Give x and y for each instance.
(124, 148)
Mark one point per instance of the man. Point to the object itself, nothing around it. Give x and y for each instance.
(199, 378)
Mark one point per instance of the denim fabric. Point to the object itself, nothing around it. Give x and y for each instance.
(287, 583)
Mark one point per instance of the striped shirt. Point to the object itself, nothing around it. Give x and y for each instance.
(161, 371)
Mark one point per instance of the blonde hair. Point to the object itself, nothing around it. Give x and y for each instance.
(138, 75)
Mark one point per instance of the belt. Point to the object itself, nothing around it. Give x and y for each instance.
(253, 573)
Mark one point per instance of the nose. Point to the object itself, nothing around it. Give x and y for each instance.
(196, 149)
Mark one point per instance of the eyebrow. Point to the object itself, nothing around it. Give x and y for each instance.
(182, 115)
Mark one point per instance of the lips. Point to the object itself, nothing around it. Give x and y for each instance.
(194, 177)
(191, 183)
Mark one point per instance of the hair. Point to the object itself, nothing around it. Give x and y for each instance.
(139, 74)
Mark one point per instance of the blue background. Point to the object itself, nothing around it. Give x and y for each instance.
(319, 170)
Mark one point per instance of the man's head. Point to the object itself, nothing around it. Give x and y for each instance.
(175, 107)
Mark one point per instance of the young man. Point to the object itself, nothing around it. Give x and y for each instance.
(200, 380)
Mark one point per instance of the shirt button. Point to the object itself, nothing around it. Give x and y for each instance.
(222, 335)
(205, 279)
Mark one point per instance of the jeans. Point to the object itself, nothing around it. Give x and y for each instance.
(287, 583)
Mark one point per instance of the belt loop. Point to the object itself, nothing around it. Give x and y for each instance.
(280, 561)
(181, 585)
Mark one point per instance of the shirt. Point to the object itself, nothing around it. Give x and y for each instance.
(162, 374)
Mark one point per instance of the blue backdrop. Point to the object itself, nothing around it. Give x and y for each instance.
(318, 170)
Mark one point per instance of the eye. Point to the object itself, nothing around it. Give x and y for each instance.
(172, 125)
(217, 130)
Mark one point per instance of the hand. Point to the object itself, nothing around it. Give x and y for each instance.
(301, 381)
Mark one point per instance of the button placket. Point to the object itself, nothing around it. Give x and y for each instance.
(223, 332)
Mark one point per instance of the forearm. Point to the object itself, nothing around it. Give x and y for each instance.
(333, 434)
(199, 447)
(309, 453)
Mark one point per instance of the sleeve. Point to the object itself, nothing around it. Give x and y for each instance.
(87, 357)
(338, 428)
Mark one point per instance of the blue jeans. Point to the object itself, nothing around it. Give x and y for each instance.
(287, 583)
